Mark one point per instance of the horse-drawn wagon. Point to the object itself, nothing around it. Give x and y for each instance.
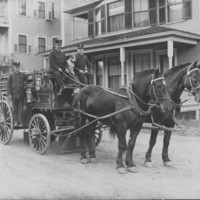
(47, 113)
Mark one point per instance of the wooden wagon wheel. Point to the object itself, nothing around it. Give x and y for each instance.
(6, 122)
(98, 134)
(39, 133)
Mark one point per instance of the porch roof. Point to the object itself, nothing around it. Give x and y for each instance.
(72, 5)
(152, 35)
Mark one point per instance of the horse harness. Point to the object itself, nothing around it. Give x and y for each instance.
(132, 98)
(193, 89)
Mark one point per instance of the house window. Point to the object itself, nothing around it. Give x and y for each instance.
(22, 44)
(41, 44)
(179, 10)
(141, 62)
(141, 13)
(41, 10)
(22, 7)
(98, 21)
(116, 13)
(114, 72)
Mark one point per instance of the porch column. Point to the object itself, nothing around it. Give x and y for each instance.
(10, 29)
(122, 60)
(62, 18)
(170, 52)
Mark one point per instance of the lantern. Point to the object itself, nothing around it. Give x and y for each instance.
(28, 95)
(38, 82)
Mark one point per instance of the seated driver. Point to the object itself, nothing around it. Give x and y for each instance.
(58, 63)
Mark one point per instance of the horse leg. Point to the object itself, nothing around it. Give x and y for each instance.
(167, 162)
(131, 144)
(80, 121)
(91, 143)
(122, 148)
(152, 142)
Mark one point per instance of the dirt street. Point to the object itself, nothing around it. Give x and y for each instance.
(26, 175)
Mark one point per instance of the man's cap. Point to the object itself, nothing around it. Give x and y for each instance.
(57, 41)
(80, 46)
(73, 58)
(16, 64)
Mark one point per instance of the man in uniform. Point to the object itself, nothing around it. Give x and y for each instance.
(82, 64)
(16, 93)
(58, 63)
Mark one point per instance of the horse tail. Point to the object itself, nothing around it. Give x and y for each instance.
(113, 131)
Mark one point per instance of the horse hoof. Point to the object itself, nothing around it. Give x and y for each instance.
(132, 169)
(93, 160)
(148, 164)
(84, 161)
(121, 170)
(168, 164)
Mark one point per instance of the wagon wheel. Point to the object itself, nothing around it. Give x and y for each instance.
(6, 122)
(98, 134)
(39, 133)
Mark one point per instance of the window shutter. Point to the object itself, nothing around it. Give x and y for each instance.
(188, 9)
(153, 17)
(103, 19)
(91, 23)
(35, 45)
(30, 44)
(19, 7)
(57, 10)
(128, 14)
(16, 43)
(153, 12)
(35, 9)
(49, 43)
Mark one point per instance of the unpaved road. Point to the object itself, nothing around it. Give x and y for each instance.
(26, 175)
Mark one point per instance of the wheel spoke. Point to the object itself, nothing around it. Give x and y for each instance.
(42, 141)
(6, 126)
(39, 133)
(43, 138)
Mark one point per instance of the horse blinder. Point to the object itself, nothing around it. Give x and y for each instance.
(158, 98)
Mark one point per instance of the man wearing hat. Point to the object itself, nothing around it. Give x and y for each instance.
(82, 64)
(16, 92)
(58, 63)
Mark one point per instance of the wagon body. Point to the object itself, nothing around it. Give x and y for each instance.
(47, 114)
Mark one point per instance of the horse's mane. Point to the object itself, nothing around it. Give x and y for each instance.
(144, 73)
(175, 69)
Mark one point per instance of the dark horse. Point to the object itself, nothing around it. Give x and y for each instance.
(178, 78)
(129, 113)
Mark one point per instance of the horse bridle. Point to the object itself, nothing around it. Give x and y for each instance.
(193, 89)
(158, 99)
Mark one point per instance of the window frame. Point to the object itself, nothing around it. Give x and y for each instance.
(23, 45)
(39, 46)
(183, 18)
(97, 21)
(20, 8)
(140, 52)
(41, 11)
(115, 15)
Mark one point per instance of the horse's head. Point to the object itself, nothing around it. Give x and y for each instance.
(192, 80)
(158, 92)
